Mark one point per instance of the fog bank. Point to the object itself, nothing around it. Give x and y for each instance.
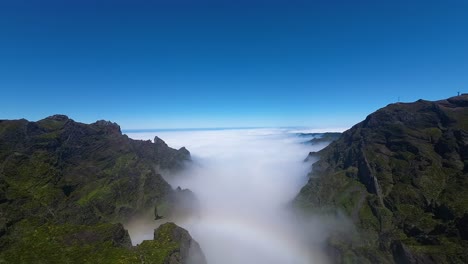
(244, 180)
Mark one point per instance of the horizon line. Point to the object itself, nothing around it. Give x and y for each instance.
(146, 130)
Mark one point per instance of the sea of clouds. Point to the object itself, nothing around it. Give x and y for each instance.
(244, 181)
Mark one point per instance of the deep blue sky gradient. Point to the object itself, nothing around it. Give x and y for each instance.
(173, 64)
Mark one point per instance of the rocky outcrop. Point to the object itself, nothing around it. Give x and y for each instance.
(402, 177)
(171, 245)
(187, 250)
(57, 175)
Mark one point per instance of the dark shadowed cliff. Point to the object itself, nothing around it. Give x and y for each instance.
(401, 175)
(65, 186)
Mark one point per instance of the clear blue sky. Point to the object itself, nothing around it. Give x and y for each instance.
(151, 64)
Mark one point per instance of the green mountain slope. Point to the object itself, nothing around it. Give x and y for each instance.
(65, 186)
(401, 175)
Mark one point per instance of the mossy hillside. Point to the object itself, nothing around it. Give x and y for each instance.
(100, 243)
(412, 159)
(57, 160)
(49, 243)
(164, 241)
(58, 172)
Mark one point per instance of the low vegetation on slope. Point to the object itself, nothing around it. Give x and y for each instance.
(65, 186)
(402, 176)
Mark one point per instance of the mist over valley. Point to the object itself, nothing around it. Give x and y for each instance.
(244, 181)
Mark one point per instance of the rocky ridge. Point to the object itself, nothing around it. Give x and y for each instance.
(66, 186)
(401, 176)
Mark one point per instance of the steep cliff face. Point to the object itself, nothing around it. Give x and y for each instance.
(402, 176)
(58, 174)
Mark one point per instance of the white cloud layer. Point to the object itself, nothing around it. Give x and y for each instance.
(244, 180)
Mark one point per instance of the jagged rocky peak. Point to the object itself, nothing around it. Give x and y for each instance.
(181, 154)
(184, 151)
(58, 117)
(108, 125)
(159, 142)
